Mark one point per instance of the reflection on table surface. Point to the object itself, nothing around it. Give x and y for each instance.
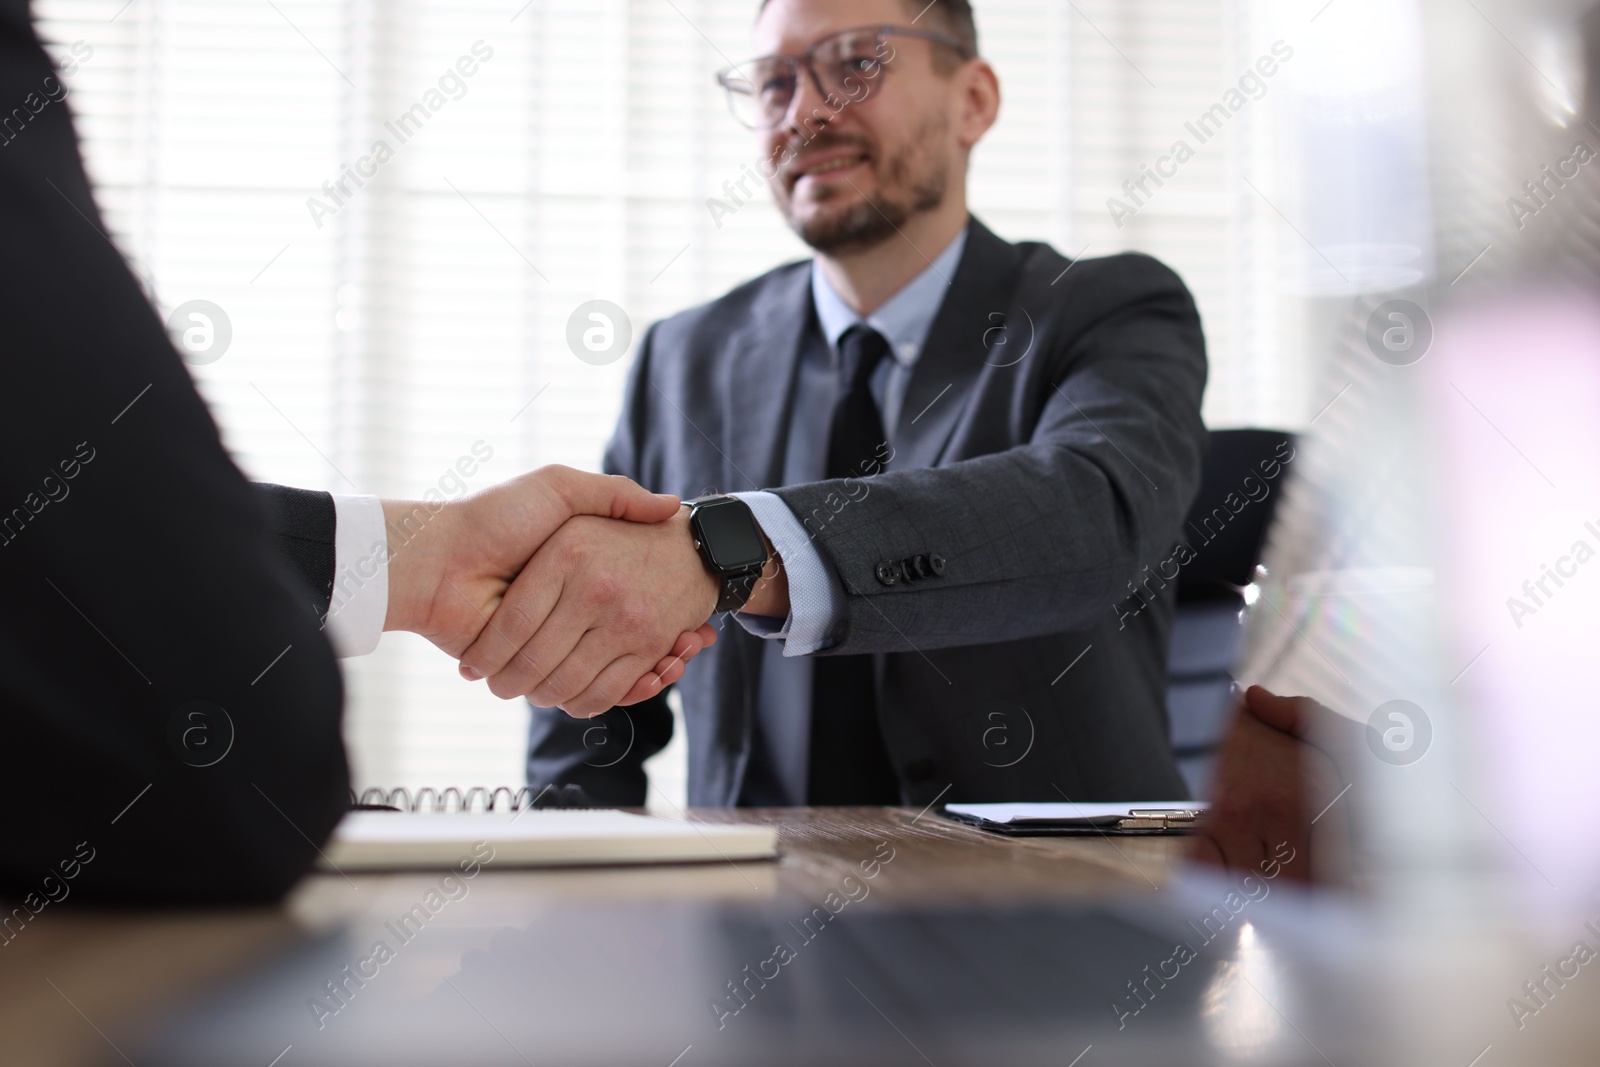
(79, 981)
(880, 936)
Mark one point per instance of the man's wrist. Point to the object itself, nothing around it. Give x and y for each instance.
(770, 596)
(712, 581)
(415, 571)
(720, 526)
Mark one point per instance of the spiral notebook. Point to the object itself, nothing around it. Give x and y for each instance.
(430, 834)
(475, 798)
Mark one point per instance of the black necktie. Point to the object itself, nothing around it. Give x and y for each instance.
(849, 764)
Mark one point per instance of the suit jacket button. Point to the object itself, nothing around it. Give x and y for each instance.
(936, 564)
(888, 572)
(908, 569)
(920, 770)
(924, 566)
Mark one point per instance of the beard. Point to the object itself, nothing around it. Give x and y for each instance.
(914, 180)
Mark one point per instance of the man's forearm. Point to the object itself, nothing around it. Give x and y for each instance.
(1037, 539)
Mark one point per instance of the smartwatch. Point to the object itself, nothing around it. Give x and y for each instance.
(729, 541)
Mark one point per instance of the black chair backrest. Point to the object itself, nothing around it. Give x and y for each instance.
(1243, 476)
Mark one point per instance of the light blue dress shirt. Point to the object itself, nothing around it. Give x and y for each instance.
(816, 599)
(776, 773)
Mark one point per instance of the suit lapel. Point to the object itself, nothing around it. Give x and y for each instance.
(965, 333)
(762, 357)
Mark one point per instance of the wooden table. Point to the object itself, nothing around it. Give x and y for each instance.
(78, 984)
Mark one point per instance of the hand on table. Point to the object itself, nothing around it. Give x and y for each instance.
(1282, 766)
(450, 564)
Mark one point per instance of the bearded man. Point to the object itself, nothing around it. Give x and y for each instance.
(930, 464)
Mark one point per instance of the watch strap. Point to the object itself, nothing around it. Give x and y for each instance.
(736, 590)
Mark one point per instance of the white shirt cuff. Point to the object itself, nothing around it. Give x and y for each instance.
(360, 598)
(816, 600)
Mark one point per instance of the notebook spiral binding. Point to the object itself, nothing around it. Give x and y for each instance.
(477, 798)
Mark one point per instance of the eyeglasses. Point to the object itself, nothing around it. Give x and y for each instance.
(844, 67)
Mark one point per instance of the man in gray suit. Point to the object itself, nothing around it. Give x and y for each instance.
(969, 450)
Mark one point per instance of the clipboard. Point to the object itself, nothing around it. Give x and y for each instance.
(1157, 817)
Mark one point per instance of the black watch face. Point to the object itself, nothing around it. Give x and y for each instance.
(730, 535)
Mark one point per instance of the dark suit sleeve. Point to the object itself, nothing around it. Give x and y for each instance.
(171, 707)
(303, 524)
(605, 755)
(1043, 537)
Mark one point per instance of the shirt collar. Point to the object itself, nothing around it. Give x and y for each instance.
(904, 319)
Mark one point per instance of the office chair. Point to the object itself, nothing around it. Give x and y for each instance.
(1244, 474)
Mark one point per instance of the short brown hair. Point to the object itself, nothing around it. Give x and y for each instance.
(949, 16)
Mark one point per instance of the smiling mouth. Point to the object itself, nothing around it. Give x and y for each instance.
(831, 166)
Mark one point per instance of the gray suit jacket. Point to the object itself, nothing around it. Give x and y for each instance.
(1050, 447)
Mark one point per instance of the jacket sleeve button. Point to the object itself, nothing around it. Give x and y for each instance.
(887, 572)
(936, 564)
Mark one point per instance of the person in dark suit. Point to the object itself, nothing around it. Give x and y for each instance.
(958, 452)
(169, 700)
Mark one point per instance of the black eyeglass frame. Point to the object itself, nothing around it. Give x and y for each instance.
(725, 78)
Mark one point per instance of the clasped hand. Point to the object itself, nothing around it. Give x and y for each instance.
(570, 630)
(579, 590)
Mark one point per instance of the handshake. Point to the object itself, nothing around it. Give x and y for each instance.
(580, 591)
